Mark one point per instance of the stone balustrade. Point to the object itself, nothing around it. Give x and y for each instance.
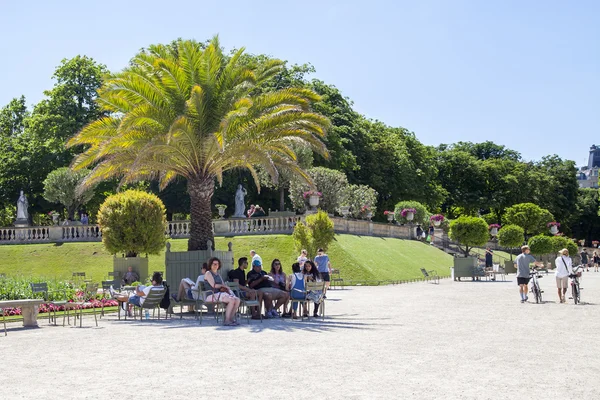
(221, 227)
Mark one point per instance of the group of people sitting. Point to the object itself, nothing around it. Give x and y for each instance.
(274, 289)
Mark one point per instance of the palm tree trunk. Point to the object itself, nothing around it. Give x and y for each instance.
(201, 192)
(281, 198)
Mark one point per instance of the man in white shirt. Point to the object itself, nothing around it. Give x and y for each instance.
(141, 292)
(564, 268)
(255, 257)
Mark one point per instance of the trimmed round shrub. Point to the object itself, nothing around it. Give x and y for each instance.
(511, 236)
(470, 232)
(540, 244)
(561, 242)
(421, 216)
(133, 222)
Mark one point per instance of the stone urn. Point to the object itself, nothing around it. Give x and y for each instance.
(494, 231)
(553, 229)
(410, 216)
(345, 210)
(221, 211)
(313, 200)
(55, 219)
(390, 217)
(437, 223)
(369, 215)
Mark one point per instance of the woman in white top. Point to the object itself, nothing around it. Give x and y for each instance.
(564, 268)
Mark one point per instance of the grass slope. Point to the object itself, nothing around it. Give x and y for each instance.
(359, 258)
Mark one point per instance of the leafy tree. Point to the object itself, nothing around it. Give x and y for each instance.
(561, 242)
(488, 150)
(133, 222)
(12, 118)
(329, 182)
(586, 220)
(317, 233)
(357, 196)
(187, 111)
(511, 236)
(421, 216)
(63, 186)
(470, 232)
(531, 217)
(540, 244)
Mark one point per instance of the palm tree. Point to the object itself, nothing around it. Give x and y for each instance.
(188, 110)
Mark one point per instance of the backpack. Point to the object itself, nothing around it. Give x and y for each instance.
(166, 300)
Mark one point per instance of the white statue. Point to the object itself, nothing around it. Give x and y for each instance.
(240, 207)
(22, 205)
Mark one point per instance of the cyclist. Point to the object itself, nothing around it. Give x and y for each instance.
(564, 268)
(523, 273)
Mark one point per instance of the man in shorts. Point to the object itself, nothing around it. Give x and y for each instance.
(523, 272)
(141, 292)
(261, 282)
(324, 267)
(585, 259)
(238, 276)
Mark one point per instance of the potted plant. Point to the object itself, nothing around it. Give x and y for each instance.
(540, 245)
(494, 229)
(595, 243)
(221, 208)
(511, 237)
(468, 232)
(345, 210)
(313, 198)
(389, 215)
(54, 215)
(408, 213)
(553, 227)
(437, 219)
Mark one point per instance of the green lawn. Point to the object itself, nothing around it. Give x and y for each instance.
(359, 258)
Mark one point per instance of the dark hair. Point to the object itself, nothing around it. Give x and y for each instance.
(211, 260)
(320, 250)
(296, 267)
(157, 277)
(205, 266)
(313, 270)
(242, 261)
(273, 266)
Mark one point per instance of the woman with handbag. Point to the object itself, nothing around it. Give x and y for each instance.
(221, 292)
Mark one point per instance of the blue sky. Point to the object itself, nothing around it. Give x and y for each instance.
(525, 74)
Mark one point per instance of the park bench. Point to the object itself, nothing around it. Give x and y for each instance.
(431, 276)
(29, 310)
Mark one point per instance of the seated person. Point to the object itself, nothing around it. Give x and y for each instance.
(221, 293)
(141, 292)
(238, 276)
(130, 277)
(188, 289)
(311, 274)
(279, 279)
(259, 280)
(298, 288)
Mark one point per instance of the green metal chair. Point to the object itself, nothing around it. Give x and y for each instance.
(89, 293)
(245, 303)
(219, 306)
(43, 289)
(151, 302)
(318, 287)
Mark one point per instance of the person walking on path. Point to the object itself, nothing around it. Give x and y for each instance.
(489, 262)
(564, 268)
(596, 260)
(584, 259)
(523, 273)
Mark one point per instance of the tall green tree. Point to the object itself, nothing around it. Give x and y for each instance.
(63, 186)
(188, 111)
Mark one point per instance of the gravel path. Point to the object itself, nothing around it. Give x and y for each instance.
(456, 340)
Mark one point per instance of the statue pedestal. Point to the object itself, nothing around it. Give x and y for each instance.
(21, 223)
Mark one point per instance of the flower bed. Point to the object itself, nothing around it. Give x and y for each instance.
(46, 308)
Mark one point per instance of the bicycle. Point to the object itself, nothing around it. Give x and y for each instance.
(575, 289)
(535, 286)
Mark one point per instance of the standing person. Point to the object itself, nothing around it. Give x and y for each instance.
(254, 257)
(523, 273)
(564, 268)
(431, 233)
(221, 292)
(324, 267)
(489, 261)
(302, 258)
(419, 233)
(596, 260)
(584, 259)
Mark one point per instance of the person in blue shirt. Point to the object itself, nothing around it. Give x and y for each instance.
(324, 267)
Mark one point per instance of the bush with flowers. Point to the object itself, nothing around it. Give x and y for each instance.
(405, 211)
(386, 212)
(310, 193)
(492, 226)
(436, 218)
(553, 223)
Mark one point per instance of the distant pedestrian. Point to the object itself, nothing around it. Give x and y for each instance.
(564, 268)
(489, 261)
(419, 233)
(324, 267)
(585, 259)
(431, 233)
(596, 260)
(523, 272)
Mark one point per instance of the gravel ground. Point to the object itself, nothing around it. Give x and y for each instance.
(456, 340)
